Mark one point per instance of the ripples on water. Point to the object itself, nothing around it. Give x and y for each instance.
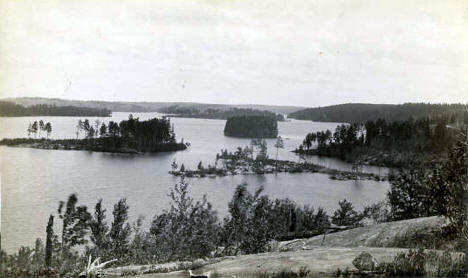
(34, 180)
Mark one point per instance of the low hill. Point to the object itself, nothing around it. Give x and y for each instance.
(211, 113)
(11, 109)
(123, 106)
(362, 112)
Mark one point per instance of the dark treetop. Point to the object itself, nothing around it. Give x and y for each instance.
(251, 127)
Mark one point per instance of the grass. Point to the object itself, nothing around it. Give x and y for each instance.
(303, 272)
(417, 263)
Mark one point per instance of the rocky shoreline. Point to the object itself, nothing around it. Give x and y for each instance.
(283, 166)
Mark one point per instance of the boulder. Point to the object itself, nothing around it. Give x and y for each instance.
(365, 262)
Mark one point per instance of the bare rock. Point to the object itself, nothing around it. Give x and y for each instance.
(365, 262)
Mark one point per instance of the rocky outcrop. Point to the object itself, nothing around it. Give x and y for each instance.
(389, 234)
(357, 250)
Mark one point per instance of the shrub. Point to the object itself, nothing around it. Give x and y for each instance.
(188, 230)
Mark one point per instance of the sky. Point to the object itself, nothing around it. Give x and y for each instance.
(280, 52)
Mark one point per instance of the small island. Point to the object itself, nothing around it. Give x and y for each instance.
(254, 126)
(130, 136)
(254, 160)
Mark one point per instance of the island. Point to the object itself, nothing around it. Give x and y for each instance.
(254, 160)
(129, 136)
(251, 127)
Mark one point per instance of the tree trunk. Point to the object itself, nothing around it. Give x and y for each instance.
(50, 234)
(276, 162)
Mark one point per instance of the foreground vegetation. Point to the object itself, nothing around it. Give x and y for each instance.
(188, 230)
(11, 109)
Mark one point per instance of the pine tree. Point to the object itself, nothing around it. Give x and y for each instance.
(345, 215)
(49, 240)
(75, 223)
(99, 230)
(34, 128)
(48, 129)
(41, 127)
(120, 229)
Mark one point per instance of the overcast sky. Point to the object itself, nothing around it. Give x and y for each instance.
(294, 52)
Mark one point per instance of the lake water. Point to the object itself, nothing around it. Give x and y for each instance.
(34, 181)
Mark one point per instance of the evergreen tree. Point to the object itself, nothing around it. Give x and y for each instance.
(99, 230)
(48, 129)
(278, 145)
(34, 128)
(29, 130)
(49, 242)
(41, 127)
(345, 215)
(75, 221)
(103, 130)
(120, 229)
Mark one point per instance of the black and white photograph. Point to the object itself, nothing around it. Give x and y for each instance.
(233, 138)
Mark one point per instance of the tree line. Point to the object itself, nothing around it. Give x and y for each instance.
(11, 109)
(213, 113)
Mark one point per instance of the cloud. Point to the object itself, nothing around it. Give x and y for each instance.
(278, 52)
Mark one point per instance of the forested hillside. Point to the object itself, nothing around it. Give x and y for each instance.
(396, 143)
(362, 112)
(10, 109)
(143, 106)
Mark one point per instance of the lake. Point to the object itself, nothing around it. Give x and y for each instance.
(34, 180)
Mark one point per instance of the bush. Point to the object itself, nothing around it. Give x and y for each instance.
(418, 263)
(254, 220)
(442, 190)
(188, 230)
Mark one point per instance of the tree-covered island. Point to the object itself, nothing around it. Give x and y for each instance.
(251, 127)
(384, 143)
(129, 136)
